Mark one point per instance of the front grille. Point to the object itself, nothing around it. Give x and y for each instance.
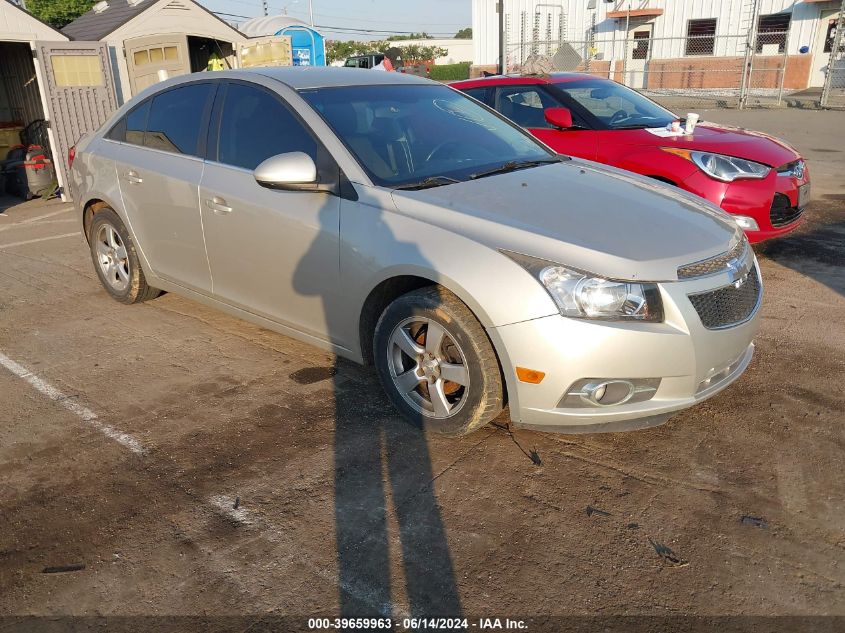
(715, 265)
(728, 306)
(782, 213)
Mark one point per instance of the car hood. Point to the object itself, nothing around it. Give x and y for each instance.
(721, 139)
(588, 216)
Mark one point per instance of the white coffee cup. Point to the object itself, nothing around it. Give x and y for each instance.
(692, 120)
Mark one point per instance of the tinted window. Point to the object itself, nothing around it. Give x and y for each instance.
(255, 126)
(136, 124)
(175, 119)
(477, 93)
(130, 128)
(525, 105)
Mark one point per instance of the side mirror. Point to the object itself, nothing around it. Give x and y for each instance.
(294, 171)
(559, 117)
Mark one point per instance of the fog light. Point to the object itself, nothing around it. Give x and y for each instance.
(746, 223)
(608, 392)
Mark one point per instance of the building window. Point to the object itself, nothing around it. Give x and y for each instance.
(831, 32)
(641, 39)
(701, 37)
(77, 70)
(771, 30)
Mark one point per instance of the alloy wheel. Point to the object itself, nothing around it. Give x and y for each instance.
(112, 257)
(428, 367)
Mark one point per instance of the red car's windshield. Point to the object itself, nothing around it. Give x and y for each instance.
(612, 105)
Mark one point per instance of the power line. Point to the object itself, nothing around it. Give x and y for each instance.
(369, 20)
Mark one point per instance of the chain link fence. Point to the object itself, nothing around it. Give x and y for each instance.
(757, 66)
(695, 71)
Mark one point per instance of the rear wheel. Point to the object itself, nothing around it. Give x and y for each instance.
(116, 260)
(436, 363)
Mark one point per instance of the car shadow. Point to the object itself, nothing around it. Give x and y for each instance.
(816, 249)
(378, 458)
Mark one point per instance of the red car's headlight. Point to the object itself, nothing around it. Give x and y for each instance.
(721, 167)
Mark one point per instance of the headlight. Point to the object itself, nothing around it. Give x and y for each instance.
(581, 295)
(721, 167)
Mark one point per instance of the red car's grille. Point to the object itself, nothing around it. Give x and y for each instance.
(782, 212)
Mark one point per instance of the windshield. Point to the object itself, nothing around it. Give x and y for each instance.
(615, 106)
(406, 134)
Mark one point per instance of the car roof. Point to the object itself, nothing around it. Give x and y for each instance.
(303, 77)
(501, 80)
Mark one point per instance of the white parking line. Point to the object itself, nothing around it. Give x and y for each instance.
(84, 413)
(31, 220)
(223, 505)
(40, 239)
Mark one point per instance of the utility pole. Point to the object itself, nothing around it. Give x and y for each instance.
(500, 7)
(311, 11)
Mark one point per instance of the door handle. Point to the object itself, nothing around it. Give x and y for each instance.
(133, 178)
(218, 205)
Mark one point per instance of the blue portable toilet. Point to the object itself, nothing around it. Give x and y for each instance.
(308, 44)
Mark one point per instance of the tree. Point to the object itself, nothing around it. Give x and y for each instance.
(416, 53)
(412, 36)
(337, 50)
(58, 13)
(464, 34)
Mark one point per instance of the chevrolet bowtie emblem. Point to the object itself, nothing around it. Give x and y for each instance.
(738, 271)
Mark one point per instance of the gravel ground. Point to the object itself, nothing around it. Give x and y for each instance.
(166, 459)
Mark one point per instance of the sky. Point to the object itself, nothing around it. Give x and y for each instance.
(348, 19)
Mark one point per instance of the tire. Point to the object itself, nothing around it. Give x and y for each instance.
(414, 369)
(116, 260)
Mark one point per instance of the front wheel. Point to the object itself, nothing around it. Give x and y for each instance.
(436, 363)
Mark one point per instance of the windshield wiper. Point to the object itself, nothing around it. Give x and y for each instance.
(428, 183)
(513, 165)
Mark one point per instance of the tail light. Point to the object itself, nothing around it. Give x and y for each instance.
(71, 155)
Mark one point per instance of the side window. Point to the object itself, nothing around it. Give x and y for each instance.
(136, 123)
(130, 128)
(175, 119)
(477, 93)
(255, 126)
(524, 105)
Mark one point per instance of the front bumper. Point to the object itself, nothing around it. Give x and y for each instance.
(753, 198)
(692, 362)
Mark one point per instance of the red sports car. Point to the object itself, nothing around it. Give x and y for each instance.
(759, 179)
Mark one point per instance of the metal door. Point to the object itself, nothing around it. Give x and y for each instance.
(146, 57)
(265, 51)
(638, 54)
(77, 90)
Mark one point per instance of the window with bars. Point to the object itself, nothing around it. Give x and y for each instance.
(772, 29)
(701, 37)
(641, 39)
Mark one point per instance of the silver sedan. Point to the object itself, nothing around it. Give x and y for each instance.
(396, 222)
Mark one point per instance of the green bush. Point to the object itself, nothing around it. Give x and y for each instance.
(450, 72)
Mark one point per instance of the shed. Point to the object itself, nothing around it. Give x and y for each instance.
(148, 36)
(307, 43)
(58, 89)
